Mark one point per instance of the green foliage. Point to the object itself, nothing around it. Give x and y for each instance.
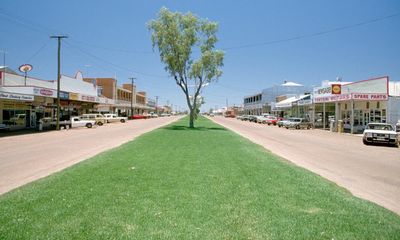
(182, 183)
(178, 37)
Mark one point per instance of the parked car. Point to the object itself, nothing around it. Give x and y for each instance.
(212, 115)
(74, 122)
(252, 118)
(380, 133)
(4, 127)
(165, 115)
(114, 118)
(281, 123)
(153, 115)
(298, 123)
(100, 119)
(261, 119)
(272, 120)
(19, 119)
(245, 118)
(138, 116)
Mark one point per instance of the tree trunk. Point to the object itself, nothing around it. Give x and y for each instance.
(191, 118)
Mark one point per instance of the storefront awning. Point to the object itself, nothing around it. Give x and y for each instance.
(288, 103)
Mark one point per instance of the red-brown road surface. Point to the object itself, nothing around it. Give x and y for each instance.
(26, 158)
(369, 172)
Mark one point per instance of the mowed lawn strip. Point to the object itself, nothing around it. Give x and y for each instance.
(179, 183)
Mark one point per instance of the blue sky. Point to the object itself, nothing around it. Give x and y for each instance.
(108, 38)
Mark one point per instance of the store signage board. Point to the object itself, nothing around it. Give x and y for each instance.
(353, 96)
(88, 98)
(371, 97)
(336, 89)
(45, 92)
(74, 96)
(304, 102)
(25, 68)
(322, 91)
(64, 95)
(333, 98)
(377, 86)
(14, 96)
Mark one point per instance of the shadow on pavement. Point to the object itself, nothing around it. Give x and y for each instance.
(4, 133)
(180, 127)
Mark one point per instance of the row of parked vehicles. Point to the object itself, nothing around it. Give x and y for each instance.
(381, 133)
(296, 123)
(85, 120)
(91, 119)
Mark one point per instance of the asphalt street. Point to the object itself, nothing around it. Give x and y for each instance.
(25, 158)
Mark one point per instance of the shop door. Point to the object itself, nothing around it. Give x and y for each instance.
(366, 118)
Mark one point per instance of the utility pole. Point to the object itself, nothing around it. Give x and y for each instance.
(157, 105)
(59, 37)
(227, 104)
(132, 82)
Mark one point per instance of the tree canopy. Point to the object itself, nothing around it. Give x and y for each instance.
(180, 38)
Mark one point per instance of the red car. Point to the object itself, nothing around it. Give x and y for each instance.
(273, 120)
(138, 116)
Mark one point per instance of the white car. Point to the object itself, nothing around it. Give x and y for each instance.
(261, 119)
(114, 118)
(73, 123)
(99, 118)
(380, 133)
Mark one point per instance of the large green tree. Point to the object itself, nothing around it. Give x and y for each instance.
(186, 44)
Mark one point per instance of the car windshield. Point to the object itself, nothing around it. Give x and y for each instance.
(386, 127)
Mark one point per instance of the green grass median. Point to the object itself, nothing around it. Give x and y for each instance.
(181, 183)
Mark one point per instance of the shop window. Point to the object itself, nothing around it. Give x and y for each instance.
(345, 106)
(377, 105)
(14, 117)
(367, 105)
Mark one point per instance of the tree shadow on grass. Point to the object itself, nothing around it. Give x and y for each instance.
(180, 127)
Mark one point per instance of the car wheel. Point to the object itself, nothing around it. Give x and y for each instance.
(287, 127)
(279, 126)
(308, 127)
(122, 120)
(365, 142)
(88, 125)
(298, 127)
(100, 123)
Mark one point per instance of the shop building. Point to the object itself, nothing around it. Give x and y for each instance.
(297, 106)
(265, 101)
(23, 101)
(119, 99)
(254, 104)
(354, 105)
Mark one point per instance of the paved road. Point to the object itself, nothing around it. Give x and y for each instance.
(26, 158)
(369, 172)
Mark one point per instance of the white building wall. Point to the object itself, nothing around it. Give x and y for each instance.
(67, 84)
(394, 88)
(393, 114)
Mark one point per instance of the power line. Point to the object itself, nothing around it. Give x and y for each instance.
(26, 23)
(37, 52)
(113, 49)
(112, 64)
(313, 34)
(45, 30)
